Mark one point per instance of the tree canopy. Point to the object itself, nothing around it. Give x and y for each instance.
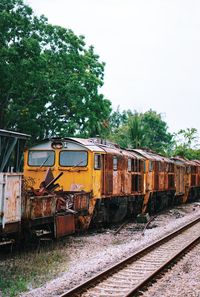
(142, 130)
(49, 80)
(50, 85)
(186, 144)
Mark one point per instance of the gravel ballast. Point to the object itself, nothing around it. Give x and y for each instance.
(92, 253)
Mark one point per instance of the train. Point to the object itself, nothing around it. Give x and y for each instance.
(71, 184)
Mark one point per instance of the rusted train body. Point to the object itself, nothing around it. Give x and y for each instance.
(70, 184)
(73, 183)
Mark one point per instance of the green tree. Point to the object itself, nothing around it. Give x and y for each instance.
(118, 118)
(156, 132)
(50, 81)
(144, 130)
(187, 144)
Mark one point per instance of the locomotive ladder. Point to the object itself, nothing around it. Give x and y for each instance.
(131, 275)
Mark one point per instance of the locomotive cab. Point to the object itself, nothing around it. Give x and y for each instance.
(80, 163)
(77, 166)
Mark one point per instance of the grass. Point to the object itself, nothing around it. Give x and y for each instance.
(28, 270)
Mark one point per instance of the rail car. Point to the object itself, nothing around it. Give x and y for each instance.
(72, 183)
(11, 165)
(187, 175)
(69, 184)
(159, 181)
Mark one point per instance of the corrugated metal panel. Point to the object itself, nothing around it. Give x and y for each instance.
(10, 197)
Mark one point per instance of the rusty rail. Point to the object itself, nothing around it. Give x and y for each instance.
(121, 227)
(99, 278)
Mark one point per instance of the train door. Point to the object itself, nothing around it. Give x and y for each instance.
(182, 180)
(178, 179)
(108, 174)
(98, 179)
(156, 176)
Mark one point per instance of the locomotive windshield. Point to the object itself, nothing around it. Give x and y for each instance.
(73, 158)
(41, 158)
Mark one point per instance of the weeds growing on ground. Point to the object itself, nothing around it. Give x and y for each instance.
(27, 270)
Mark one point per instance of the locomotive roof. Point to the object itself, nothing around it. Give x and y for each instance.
(178, 162)
(121, 152)
(91, 145)
(153, 156)
(185, 161)
(87, 143)
(193, 163)
(47, 144)
(134, 154)
(197, 162)
(108, 147)
(95, 145)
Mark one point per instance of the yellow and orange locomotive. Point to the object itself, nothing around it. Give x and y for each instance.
(73, 182)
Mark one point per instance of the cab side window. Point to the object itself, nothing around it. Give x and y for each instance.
(150, 166)
(129, 164)
(97, 161)
(115, 161)
(144, 166)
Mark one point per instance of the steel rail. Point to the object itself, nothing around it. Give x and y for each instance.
(152, 276)
(92, 282)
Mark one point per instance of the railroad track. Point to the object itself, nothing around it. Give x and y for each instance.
(131, 275)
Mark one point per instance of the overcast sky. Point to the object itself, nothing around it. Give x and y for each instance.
(151, 49)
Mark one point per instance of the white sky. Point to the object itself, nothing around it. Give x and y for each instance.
(151, 49)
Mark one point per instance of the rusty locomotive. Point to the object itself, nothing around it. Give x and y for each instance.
(70, 184)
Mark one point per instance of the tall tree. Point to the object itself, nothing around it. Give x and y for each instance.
(118, 118)
(144, 130)
(186, 144)
(49, 80)
(157, 136)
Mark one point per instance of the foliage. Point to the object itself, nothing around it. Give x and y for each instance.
(118, 118)
(187, 144)
(50, 85)
(49, 80)
(143, 130)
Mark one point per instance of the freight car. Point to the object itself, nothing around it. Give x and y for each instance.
(98, 182)
(11, 164)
